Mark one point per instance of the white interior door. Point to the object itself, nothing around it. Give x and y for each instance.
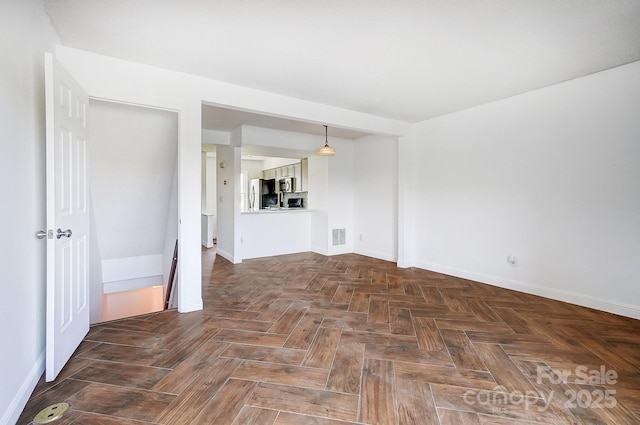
(67, 216)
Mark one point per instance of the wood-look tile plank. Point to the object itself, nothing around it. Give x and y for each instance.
(287, 356)
(599, 347)
(123, 337)
(124, 354)
(377, 401)
(125, 375)
(484, 312)
(493, 403)
(282, 374)
(94, 419)
(456, 417)
(412, 288)
(304, 333)
(305, 401)
(428, 334)
(323, 348)
(225, 406)
(186, 372)
(380, 339)
(255, 416)
(287, 418)
(415, 403)
(351, 324)
(343, 295)
(233, 314)
(250, 337)
(462, 352)
(186, 406)
(119, 401)
(515, 321)
(288, 321)
(346, 370)
(506, 338)
(328, 290)
(245, 325)
(445, 375)
(408, 353)
(498, 420)
(271, 305)
(181, 349)
(400, 321)
(395, 284)
(469, 325)
(359, 302)
(378, 311)
(432, 295)
(504, 371)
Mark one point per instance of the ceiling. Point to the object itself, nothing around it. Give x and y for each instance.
(408, 60)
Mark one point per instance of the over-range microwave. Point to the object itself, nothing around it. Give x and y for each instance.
(287, 184)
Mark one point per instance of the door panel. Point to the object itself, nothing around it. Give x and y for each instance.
(67, 209)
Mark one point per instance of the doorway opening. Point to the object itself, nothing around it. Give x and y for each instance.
(134, 207)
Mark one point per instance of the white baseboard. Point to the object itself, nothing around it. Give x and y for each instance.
(225, 254)
(378, 255)
(14, 410)
(602, 304)
(321, 251)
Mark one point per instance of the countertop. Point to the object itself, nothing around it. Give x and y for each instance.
(277, 211)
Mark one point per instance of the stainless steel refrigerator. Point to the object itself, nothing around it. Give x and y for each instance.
(262, 194)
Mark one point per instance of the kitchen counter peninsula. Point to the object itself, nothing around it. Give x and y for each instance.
(269, 232)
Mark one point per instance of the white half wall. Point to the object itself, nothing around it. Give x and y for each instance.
(551, 178)
(375, 197)
(118, 269)
(277, 233)
(25, 34)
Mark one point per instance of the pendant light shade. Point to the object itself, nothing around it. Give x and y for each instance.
(326, 150)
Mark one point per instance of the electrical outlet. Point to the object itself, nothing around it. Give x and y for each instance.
(512, 260)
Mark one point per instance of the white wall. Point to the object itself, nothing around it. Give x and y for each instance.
(228, 193)
(279, 162)
(551, 177)
(318, 201)
(375, 197)
(133, 158)
(25, 34)
(253, 168)
(340, 195)
(211, 204)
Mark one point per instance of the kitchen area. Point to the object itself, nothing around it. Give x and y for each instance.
(269, 194)
(275, 212)
(280, 188)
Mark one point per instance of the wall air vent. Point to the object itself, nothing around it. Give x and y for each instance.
(339, 237)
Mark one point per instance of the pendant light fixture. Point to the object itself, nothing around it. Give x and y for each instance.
(326, 150)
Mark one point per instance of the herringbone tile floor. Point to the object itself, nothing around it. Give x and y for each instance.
(311, 340)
